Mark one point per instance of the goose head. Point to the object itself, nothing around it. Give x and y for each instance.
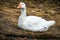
(21, 5)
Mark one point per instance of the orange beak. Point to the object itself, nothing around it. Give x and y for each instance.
(19, 6)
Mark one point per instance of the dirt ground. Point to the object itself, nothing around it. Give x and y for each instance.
(9, 17)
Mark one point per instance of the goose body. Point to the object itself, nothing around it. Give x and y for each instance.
(32, 23)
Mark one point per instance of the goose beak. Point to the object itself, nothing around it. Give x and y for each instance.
(19, 6)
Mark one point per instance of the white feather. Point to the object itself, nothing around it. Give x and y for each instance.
(33, 23)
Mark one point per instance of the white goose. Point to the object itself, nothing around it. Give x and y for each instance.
(32, 23)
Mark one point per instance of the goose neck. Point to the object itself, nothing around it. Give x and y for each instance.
(23, 12)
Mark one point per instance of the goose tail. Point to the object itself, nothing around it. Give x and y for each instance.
(50, 23)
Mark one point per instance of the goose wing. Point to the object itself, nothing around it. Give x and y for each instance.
(33, 21)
